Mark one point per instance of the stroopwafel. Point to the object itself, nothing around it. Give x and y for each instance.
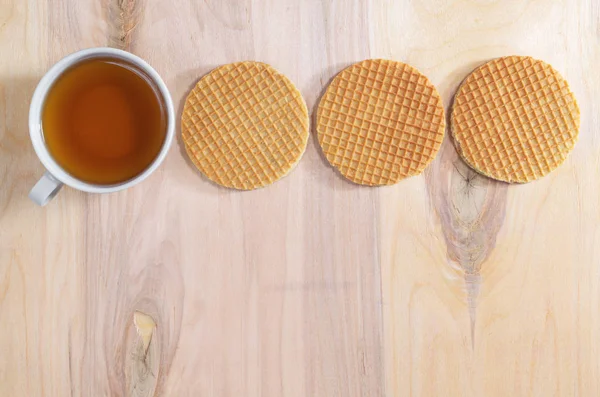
(245, 125)
(515, 119)
(380, 121)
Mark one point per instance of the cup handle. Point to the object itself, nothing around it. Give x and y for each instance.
(45, 189)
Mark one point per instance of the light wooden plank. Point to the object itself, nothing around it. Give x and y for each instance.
(491, 289)
(445, 284)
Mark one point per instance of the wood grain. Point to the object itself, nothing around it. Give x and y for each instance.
(445, 284)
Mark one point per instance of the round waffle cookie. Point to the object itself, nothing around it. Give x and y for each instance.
(380, 121)
(515, 119)
(245, 125)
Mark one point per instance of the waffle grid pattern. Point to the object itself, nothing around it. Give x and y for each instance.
(245, 125)
(380, 121)
(515, 119)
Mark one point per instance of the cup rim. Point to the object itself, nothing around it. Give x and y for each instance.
(35, 122)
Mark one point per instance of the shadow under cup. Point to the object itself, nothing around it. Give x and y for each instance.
(104, 120)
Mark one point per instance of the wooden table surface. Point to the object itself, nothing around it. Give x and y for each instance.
(446, 284)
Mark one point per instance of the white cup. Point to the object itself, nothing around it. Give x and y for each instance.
(47, 187)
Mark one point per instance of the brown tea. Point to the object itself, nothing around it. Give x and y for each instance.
(103, 121)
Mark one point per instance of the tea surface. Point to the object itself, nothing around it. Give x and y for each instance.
(103, 121)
